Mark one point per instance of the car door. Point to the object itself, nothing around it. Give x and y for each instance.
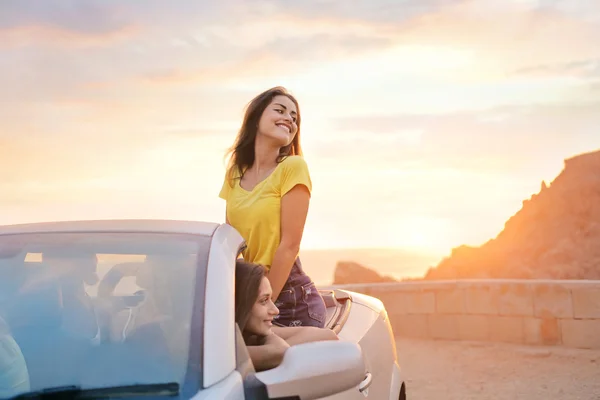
(230, 388)
(253, 388)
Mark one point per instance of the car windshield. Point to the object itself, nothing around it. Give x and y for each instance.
(96, 310)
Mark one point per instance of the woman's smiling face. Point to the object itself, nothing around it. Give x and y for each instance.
(279, 121)
(263, 311)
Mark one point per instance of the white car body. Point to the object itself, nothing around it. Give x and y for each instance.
(363, 364)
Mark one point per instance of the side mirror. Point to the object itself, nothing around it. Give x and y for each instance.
(314, 370)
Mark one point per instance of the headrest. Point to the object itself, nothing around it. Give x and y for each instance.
(73, 267)
(115, 274)
(12, 276)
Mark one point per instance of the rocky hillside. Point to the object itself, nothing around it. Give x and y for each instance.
(555, 235)
(352, 272)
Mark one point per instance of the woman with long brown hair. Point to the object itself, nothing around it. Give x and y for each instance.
(267, 189)
(254, 314)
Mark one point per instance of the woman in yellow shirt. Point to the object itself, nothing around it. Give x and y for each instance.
(267, 189)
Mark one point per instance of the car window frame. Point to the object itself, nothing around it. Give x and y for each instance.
(193, 381)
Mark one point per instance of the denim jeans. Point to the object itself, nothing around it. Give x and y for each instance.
(300, 303)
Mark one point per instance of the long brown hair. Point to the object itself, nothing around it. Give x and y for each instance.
(248, 277)
(242, 151)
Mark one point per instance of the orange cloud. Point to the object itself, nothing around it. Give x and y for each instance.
(278, 56)
(499, 38)
(586, 69)
(36, 35)
(508, 36)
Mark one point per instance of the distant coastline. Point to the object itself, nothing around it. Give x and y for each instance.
(320, 264)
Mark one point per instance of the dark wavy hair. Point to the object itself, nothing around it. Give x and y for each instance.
(248, 277)
(242, 151)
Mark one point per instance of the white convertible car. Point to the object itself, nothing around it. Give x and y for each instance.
(145, 308)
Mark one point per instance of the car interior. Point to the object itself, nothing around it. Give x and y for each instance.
(54, 320)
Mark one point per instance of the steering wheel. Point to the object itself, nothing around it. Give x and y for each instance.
(110, 304)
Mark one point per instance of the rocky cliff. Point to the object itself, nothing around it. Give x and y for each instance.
(352, 272)
(555, 235)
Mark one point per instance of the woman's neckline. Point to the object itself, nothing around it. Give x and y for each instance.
(260, 182)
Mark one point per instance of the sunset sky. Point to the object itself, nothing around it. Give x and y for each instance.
(425, 122)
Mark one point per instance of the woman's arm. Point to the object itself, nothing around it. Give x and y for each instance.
(270, 354)
(294, 209)
(304, 334)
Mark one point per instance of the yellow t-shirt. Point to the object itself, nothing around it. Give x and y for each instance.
(256, 214)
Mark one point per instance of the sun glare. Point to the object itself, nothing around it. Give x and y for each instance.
(420, 233)
(420, 59)
(412, 60)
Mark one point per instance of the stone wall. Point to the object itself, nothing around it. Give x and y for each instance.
(531, 312)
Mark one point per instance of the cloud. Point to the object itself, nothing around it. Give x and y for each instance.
(76, 23)
(505, 34)
(86, 17)
(100, 17)
(36, 35)
(503, 140)
(382, 11)
(175, 54)
(275, 57)
(193, 42)
(585, 69)
(585, 10)
(199, 62)
(100, 23)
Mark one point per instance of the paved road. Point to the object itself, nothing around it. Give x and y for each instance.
(448, 370)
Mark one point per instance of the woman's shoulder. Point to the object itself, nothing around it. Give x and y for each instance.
(294, 162)
(232, 174)
(293, 171)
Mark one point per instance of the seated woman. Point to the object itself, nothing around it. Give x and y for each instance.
(254, 313)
